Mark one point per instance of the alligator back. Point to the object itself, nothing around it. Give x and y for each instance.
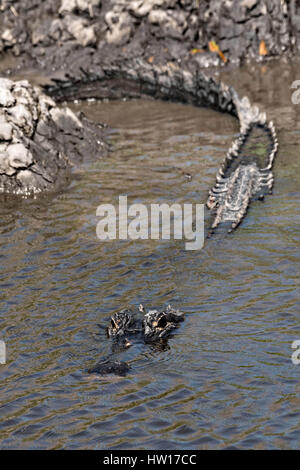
(246, 172)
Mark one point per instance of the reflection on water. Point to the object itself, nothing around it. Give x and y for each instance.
(226, 379)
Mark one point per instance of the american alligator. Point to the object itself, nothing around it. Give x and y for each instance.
(243, 176)
(124, 325)
(36, 133)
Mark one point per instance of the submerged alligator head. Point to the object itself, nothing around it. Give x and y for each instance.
(153, 328)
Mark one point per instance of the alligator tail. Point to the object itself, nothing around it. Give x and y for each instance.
(245, 174)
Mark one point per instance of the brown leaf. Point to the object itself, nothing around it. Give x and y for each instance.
(213, 47)
(196, 51)
(263, 48)
(150, 59)
(223, 57)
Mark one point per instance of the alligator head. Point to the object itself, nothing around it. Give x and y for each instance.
(155, 324)
(154, 327)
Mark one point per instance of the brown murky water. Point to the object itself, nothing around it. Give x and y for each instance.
(227, 378)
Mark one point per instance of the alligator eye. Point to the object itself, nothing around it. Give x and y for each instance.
(162, 322)
(113, 324)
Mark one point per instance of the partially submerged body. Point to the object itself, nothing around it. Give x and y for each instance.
(58, 138)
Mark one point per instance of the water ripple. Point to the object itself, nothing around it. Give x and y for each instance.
(225, 378)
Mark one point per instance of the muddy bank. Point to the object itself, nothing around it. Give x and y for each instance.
(69, 34)
(40, 142)
(81, 41)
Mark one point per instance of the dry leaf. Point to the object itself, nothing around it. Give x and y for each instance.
(150, 59)
(223, 57)
(213, 47)
(262, 48)
(196, 51)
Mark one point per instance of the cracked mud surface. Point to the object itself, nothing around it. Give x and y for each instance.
(67, 34)
(39, 142)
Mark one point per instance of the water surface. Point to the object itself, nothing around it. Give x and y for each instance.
(226, 379)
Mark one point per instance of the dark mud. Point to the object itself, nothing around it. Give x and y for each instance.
(40, 142)
(69, 34)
